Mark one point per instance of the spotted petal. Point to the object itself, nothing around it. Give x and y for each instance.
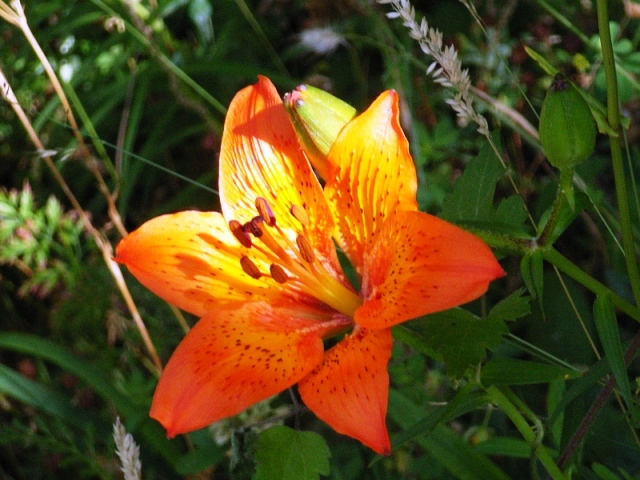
(191, 260)
(261, 157)
(373, 176)
(419, 265)
(233, 358)
(350, 389)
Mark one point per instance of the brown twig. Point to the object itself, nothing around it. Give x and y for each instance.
(596, 406)
(16, 17)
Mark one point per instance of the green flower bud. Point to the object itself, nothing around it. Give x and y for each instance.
(318, 118)
(567, 128)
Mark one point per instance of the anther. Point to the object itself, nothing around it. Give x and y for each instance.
(264, 209)
(249, 267)
(278, 273)
(253, 226)
(300, 214)
(241, 235)
(305, 248)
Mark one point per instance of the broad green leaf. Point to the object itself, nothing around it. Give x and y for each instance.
(511, 211)
(457, 337)
(446, 447)
(510, 371)
(607, 326)
(287, 454)
(472, 198)
(511, 308)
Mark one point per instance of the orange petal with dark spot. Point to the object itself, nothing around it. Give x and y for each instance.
(260, 156)
(192, 260)
(373, 176)
(234, 358)
(349, 390)
(419, 265)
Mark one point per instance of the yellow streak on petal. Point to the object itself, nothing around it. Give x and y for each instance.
(374, 176)
(192, 260)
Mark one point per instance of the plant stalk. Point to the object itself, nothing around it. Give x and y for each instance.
(613, 117)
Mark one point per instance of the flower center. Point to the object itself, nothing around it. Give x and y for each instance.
(297, 263)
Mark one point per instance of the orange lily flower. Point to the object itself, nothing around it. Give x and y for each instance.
(265, 277)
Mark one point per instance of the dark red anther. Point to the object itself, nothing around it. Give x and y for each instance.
(264, 209)
(241, 235)
(254, 227)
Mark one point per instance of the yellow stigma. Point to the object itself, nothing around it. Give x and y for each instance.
(293, 262)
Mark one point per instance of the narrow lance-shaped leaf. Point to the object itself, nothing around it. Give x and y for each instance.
(607, 326)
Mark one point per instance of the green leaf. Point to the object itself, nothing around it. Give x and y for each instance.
(457, 337)
(445, 446)
(511, 371)
(511, 308)
(98, 381)
(200, 12)
(603, 472)
(466, 400)
(472, 196)
(41, 397)
(511, 211)
(531, 268)
(505, 447)
(607, 326)
(287, 454)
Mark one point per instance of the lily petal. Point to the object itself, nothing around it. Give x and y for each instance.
(373, 176)
(192, 260)
(349, 390)
(419, 265)
(232, 359)
(260, 156)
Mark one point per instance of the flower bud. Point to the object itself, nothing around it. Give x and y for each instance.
(567, 128)
(318, 118)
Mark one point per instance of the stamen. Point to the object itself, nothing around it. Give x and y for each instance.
(300, 214)
(241, 235)
(253, 226)
(293, 263)
(278, 273)
(305, 248)
(249, 267)
(264, 209)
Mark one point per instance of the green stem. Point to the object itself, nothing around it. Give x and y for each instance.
(566, 266)
(613, 117)
(522, 246)
(513, 245)
(541, 452)
(562, 20)
(556, 210)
